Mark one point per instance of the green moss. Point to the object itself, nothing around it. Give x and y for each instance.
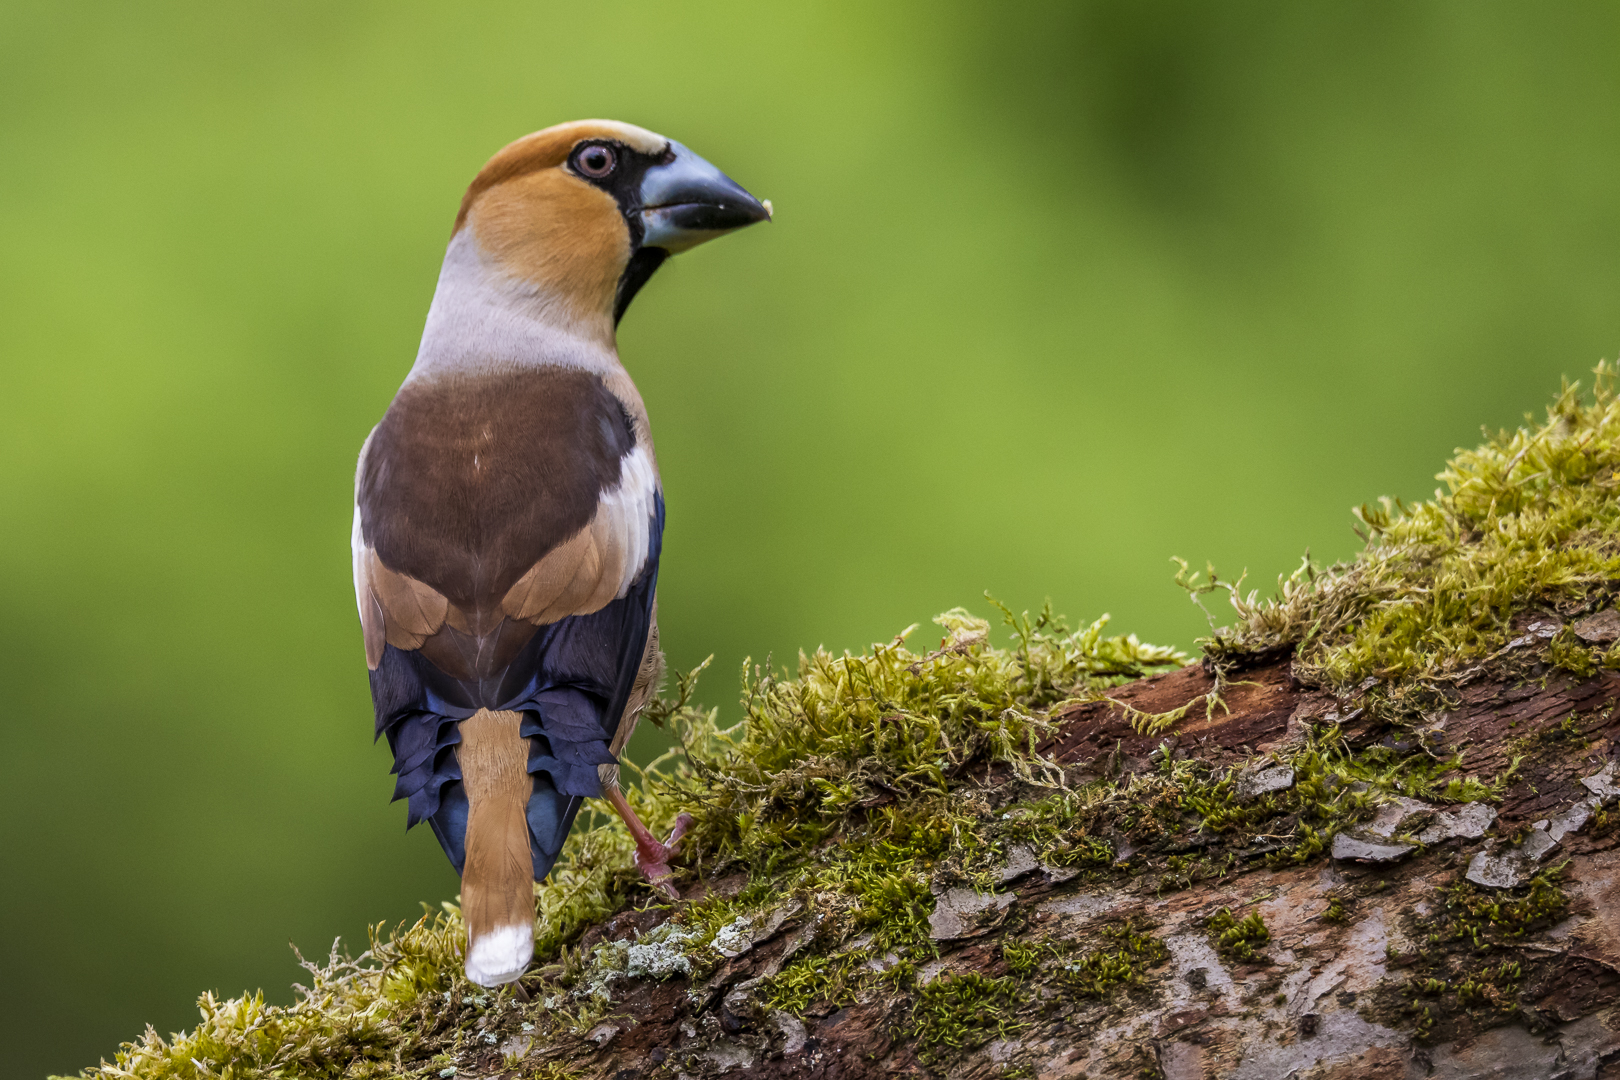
(1129, 950)
(1334, 787)
(1058, 828)
(1526, 522)
(1566, 651)
(962, 1012)
(357, 1018)
(817, 977)
(1470, 959)
(1489, 995)
(892, 726)
(1482, 918)
(1098, 972)
(874, 750)
(1024, 957)
(1491, 987)
(1235, 938)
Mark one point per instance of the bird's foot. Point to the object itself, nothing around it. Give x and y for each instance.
(652, 858)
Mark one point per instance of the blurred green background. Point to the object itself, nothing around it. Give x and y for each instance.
(1055, 292)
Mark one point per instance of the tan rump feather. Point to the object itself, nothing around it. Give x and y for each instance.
(572, 599)
(412, 611)
(539, 589)
(581, 576)
(609, 532)
(497, 881)
(475, 622)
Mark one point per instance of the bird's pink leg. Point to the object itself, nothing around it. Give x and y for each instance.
(652, 857)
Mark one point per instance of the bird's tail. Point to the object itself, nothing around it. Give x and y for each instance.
(497, 882)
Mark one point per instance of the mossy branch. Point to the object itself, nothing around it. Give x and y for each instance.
(857, 795)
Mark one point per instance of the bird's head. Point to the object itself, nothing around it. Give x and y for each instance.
(584, 213)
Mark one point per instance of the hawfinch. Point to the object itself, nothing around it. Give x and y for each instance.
(508, 514)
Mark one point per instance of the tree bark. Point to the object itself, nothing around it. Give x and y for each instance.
(1362, 976)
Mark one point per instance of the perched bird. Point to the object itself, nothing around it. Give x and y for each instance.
(508, 514)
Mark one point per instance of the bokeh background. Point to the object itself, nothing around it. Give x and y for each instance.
(1055, 292)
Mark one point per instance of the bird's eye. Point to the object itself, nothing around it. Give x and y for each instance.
(595, 161)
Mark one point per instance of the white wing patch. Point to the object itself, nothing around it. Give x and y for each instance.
(372, 620)
(357, 540)
(365, 601)
(357, 547)
(631, 506)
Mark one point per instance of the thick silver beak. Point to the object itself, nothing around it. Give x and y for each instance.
(688, 201)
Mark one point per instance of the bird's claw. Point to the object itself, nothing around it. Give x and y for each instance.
(652, 858)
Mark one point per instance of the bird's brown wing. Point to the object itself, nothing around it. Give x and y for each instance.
(514, 499)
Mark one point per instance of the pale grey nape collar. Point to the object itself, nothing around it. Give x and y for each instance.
(484, 319)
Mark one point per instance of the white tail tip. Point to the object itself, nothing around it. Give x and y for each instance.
(501, 955)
